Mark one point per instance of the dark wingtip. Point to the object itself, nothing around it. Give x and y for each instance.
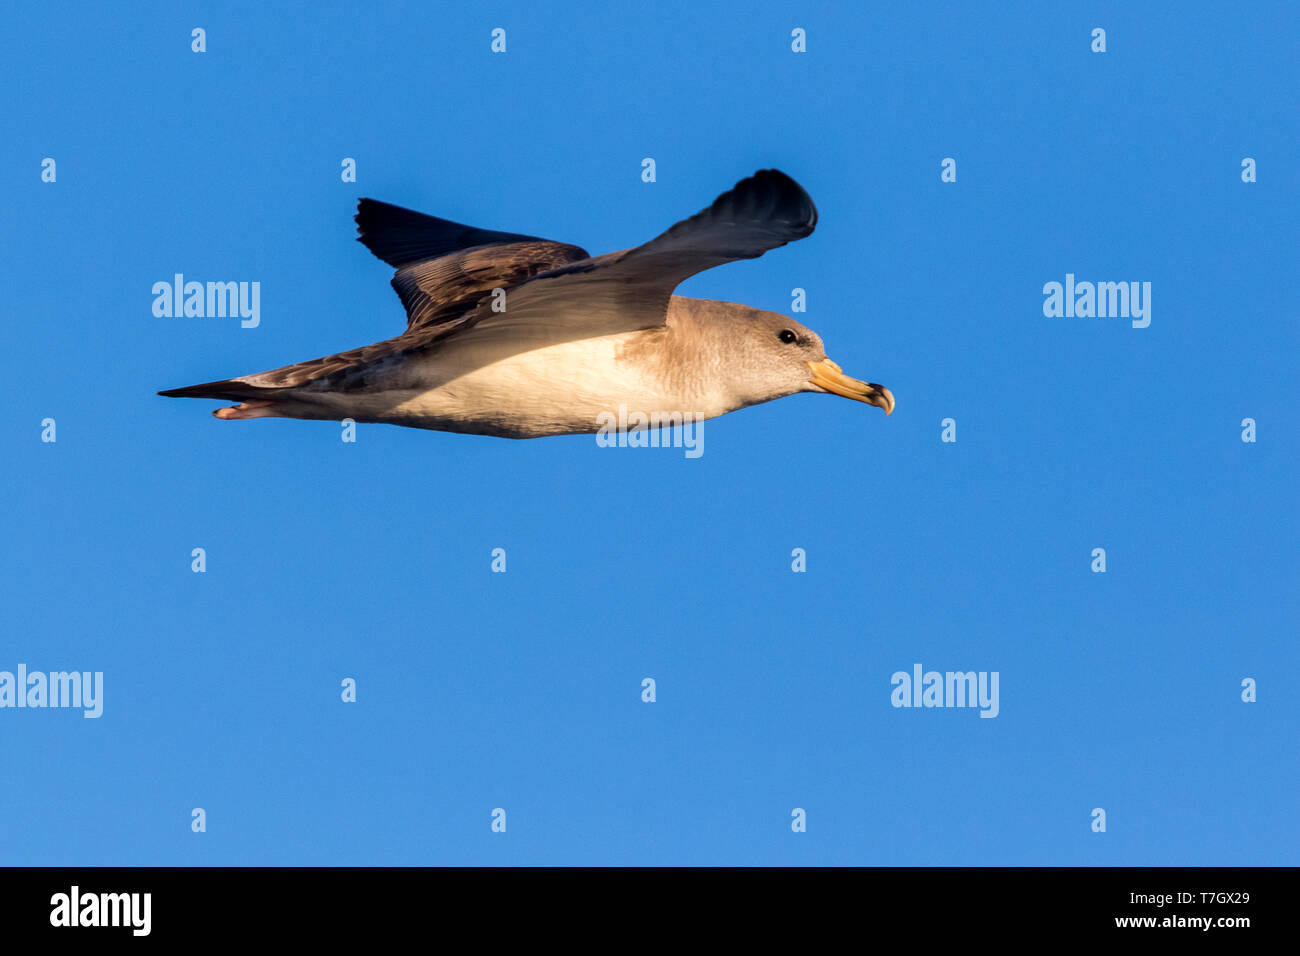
(363, 206)
(400, 236)
(793, 201)
(771, 194)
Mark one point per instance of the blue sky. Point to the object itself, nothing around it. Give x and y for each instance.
(522, 690)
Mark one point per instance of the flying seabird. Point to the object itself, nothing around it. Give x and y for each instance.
(520, 337)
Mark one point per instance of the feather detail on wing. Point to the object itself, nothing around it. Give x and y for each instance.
(630, 290)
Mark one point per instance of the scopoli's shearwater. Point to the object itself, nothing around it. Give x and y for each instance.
(521, 337)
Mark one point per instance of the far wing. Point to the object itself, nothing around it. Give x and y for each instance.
(444, 268)
(437, 290)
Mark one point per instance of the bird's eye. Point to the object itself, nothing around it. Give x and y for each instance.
(786, 336)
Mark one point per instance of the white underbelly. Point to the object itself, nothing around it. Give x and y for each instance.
(555, 390)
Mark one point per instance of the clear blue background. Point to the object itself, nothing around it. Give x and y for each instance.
(477, 690)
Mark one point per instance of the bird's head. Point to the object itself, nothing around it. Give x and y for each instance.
(772, 356)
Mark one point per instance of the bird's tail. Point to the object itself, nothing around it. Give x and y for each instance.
(231, 389)
(254, 402)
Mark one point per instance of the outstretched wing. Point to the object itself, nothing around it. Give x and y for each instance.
(554, 292)
(444, 268)
(630, 290)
